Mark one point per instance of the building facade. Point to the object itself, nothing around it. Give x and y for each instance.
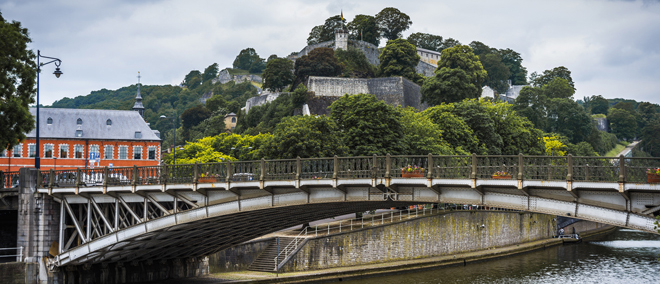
(70, 137)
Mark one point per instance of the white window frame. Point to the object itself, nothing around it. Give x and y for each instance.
(112, 152)
(98, 148)
(155, 149)
(135, 149)
(83, 151)
(68, 151)
(119, 152)
(52, 150)
(30, 145)
(4, 153)
(20, 153)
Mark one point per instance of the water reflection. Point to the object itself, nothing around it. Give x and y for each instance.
(625, 256)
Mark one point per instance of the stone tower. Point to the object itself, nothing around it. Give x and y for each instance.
(138, 100)
(341, 39)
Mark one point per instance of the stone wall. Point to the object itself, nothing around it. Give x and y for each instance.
(425, 69)
(266, 97)
(237, 258)
(18, 273)
(583, 226)
(602, 124)
(425, 237)
(369, 50)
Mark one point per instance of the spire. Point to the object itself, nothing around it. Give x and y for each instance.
(138, 99)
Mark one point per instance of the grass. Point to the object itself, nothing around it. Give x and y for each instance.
(619, 147)
(257, 84)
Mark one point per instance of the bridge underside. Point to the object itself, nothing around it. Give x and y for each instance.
(135, 223)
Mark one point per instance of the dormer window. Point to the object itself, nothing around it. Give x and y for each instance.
(79, 121)
(78, 133)
(49, 121)
(138, 134)
(108, 122)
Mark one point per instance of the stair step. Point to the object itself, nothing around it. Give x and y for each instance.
(265, 261)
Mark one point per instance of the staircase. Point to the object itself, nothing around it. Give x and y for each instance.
(265, 262)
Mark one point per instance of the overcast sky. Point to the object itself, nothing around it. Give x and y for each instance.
(611, 47)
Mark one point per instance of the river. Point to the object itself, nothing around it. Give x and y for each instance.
(625, 256)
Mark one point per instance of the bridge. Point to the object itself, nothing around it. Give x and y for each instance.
(135, 214)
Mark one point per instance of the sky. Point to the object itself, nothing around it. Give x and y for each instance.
(611, 47)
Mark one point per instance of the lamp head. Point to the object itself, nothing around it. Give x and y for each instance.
(163, 116)
(57, 72)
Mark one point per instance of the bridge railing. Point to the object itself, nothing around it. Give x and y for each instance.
(547, 168)
(8, 179)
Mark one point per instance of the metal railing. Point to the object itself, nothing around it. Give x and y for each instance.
(290, 247)
(545, 168)
(8, 179)
(19, 253)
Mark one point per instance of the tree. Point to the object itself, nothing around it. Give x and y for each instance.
(539, 80)
(422, 135)
(364, 27)
(246, 58)
(392, 22)
(193, 79)
(399, 58)
(454, 129)
(18, 71)
(277, 74)
(315, 35)
(305, 137)
(598, 105)
(319, 62)
(194, 116)
(498, 73)
(450, 42)
(210, 72)
(623, 123)
(475, 113)
(651, 139)
(459, 76)
(568, 118)
(426, 41)
(531, 103)
(257, 66)
(355, 63)
(479, 48)
(513, 61)
(215, 102)
(368, 126)
(558, 88)
(326, 32)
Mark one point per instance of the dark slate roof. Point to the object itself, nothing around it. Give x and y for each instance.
(124, 124)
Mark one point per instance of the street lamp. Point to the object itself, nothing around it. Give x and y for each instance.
(241, 155)
(174, 142)
(57, 73)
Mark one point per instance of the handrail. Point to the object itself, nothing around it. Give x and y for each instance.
(516, 167)
(293, 245)
(19, 251)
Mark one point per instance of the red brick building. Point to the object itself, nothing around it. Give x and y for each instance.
(68, 137)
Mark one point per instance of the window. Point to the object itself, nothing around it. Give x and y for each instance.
(138, 134)
(48, 150)
(107, 152)
(64, 151)
(123, 152)
(79, 121)
(18, 151)
(108, 122)
(152, 153)
(78, 151)
(49, 121)
(94, 149)
(233, 120)
(78, 133)
(32, 150)
(137, 152)
(3, 153)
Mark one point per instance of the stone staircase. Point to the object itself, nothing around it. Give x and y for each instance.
(265, 262)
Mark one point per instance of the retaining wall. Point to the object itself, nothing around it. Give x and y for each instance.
(237, 258)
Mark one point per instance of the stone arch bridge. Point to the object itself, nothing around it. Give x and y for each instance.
(132, 214)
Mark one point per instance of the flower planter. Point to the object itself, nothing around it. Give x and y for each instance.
(653, 178)
(502, 177)
(206, 179)
(413, 174)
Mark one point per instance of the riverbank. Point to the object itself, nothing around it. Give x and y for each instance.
(388, 268)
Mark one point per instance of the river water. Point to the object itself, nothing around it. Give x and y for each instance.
(625, 256)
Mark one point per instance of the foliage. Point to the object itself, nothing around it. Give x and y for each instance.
(265, 118)
(194, 116)
(539, 80)
(553, 146)
(582, 149)
(17, 80)
(211, 126)
(210, 72)
(459, 76)
(326, 32)
(568, 118)
(532, 103)
(498, 72)
(596, 105)
(364, 27)
(651, 139)
(277, 74)
(454, 129)
(319, 62)
(305, 137)
(427, 41)
(517, 132)
(399, 58)
(422, 135)
(200, 151)
(355, 64)
(392, 22)
(221, 147)
(623, 123)
(558, 88)
(193, 79)
(246, 58)
(513, 61)
(368, 126)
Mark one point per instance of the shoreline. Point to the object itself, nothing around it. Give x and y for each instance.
(386, 268)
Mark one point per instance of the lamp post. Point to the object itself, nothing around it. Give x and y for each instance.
(57, 73)
(173, 142)
(241, 155)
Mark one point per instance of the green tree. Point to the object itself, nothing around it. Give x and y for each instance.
(422, 135)
(210, 72)
(450, 42)
(513, 61)
(305, 137)
(18, 78)
(277, 74)
(426, 41)
(215, 102)
(498, 72)
(480, 48)
(246, 58)
(265, 118)
(454, 129)
(319, 62)
(539, 80)
(476, 116)
(531, 103)
(651, 139)
(364, 27)
(368, 126)
(392, 22)
(582, 149)
(459, 76)
(558, 88)
(194, 116)
(315, 35)
(518, 134)
(399, 58)
(257, 66)
(623, 123)
(568, 118)
(599, 105)
(193, 79)
(355, 63)
(326, 32)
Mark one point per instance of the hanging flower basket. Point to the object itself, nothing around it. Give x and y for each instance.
(653, 178)
(412, 172)
(501, 175)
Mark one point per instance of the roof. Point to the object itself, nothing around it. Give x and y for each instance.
(230, 114)
(124, 124)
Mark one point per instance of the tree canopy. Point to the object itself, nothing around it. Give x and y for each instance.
(392, 22)
(355, 64)
(277, 74)
(459, 76)
(18, 79)
(399, 58)
(248, 59)
(549, 75)
(319, 62)
(364, 27)
(427, 41)
(305, 137)
(326, 32)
